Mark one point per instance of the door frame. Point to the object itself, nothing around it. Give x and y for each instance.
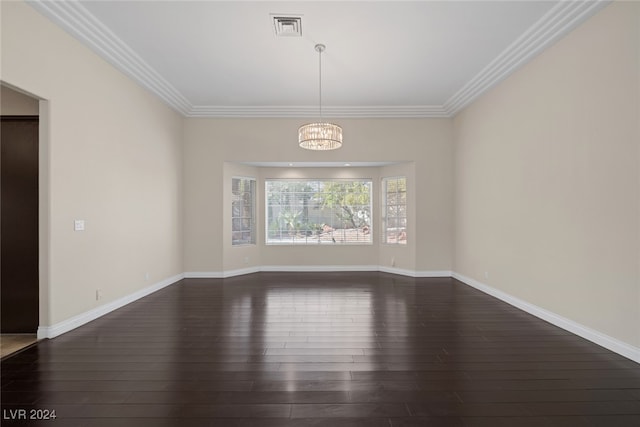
(44, 208)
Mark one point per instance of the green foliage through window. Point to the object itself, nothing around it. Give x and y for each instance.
(318, 211)
(243, 201)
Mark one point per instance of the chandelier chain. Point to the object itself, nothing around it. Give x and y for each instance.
(320, 49)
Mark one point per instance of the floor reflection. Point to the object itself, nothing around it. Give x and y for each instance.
(330, 348)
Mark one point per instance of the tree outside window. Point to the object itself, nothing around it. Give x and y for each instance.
(318, 211)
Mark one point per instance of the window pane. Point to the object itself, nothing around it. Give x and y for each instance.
(318, 211)
(243, 211)
(394, 201)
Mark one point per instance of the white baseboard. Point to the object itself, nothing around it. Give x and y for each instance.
(414, 273)
(434, 273)
(203, 275)
(317, 268)
(88, 316)
(220, 274)
(275, 268)
(313, 269)
(585, 332)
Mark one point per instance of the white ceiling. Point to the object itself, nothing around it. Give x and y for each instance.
(383, 58)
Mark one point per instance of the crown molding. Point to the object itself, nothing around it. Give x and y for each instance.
(79, 22)
(408, 111)
(557, 22)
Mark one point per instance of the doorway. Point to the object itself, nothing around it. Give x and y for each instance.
(19, 241)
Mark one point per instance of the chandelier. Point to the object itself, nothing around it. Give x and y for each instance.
(321, 135)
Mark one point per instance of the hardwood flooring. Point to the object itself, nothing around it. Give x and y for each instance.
(320, 349)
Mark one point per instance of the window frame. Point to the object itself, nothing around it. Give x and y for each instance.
(252, 229)
(314, 236)
(399, 207)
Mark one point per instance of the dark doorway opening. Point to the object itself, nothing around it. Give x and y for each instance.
(19, 296)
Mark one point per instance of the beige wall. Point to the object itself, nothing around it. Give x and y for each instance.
(114, 158)
(14, 103)
(547, 179)
(212, 143)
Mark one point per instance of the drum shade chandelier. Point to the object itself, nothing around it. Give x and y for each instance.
(320, 136)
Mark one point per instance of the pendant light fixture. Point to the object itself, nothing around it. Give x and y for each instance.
(320, 136)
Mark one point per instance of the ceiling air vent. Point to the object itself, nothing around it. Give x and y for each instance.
(287, 26)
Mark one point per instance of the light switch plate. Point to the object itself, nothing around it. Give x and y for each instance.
(78, 225)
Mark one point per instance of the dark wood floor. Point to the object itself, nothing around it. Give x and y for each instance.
(330, 349)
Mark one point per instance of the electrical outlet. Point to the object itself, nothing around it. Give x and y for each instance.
(98, 294)
(486, 274)
(393, 261)
(246, 260)
(146, 276)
